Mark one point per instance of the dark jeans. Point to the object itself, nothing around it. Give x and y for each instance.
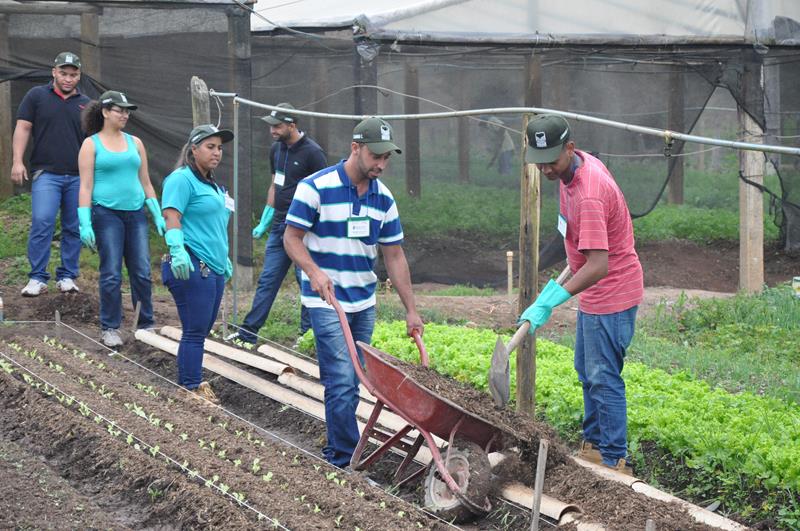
(276, 265)
(198, 300)
(122, 234)
(600, 345)
(337, 374)
(49, 193)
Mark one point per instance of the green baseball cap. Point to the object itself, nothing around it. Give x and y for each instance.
(67, 59)
(277, 117)
(201, 132)
(376, 134)
(547, 134)
(112, 97)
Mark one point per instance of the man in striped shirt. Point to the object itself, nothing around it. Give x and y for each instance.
(334, 224)
(598, 236)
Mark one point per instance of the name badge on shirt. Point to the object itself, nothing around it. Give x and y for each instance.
(358, 227)
(562, 225)
(229, 204)
(280, 178)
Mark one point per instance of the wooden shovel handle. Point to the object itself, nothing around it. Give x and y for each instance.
(517, 337)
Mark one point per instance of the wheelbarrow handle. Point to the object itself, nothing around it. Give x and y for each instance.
(423, 352)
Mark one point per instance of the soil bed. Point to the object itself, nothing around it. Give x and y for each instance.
(125, 423)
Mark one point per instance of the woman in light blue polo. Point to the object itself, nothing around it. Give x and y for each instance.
(115, 186)
(197, 209)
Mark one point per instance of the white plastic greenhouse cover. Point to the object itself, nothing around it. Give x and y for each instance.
(681, 20)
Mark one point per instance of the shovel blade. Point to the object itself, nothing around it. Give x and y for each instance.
(500, 375)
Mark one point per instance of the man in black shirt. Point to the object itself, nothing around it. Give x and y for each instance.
(293, 157)
(51, 115)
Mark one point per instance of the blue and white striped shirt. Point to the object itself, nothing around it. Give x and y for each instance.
(321, 206)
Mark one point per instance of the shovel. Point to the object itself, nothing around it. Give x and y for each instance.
(500, 370)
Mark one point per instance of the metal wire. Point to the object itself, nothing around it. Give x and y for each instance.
(666, 134)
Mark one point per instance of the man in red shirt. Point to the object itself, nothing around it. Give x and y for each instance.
(598, 236)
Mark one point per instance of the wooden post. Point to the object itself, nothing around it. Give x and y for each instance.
(528, 244)
(675, 119)
(201, 112)
(751, 206)
(751, 210)
(528, 266)
(240, 53)
(412, 147)
(320, 132)
(365, 73)
(90, 45)
(6, 121)
(538, 483)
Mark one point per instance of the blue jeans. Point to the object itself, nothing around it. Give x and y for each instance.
(198, 300)
(123, 234)
(600, 345)
(337, 374)
(276, 265)
(49, 193)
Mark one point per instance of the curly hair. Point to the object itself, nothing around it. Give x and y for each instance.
(92, 118)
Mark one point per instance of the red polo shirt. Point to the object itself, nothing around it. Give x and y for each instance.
(598, 218)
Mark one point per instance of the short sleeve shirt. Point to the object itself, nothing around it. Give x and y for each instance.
(598, 219)
(290, 165)
(204, 217)
(57, 134)
(322, 205)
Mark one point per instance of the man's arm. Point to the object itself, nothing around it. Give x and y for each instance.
(271, 193)
(22, 133)
(397, 266)
(296, 249)
(593, 271)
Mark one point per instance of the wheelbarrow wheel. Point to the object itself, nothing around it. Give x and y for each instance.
(469, 466)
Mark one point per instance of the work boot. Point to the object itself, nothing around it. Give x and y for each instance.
(622, 467)
(205, 392)
(590, 453)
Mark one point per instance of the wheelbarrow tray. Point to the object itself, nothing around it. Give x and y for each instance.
(421, 407)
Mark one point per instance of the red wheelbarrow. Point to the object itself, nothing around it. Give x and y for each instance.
(457, 485)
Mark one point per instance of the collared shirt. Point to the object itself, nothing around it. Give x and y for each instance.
(57, 133)
(204, 217)
(322, 205)
(294, 163)
(598, 218)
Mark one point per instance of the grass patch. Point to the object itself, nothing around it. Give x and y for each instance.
(746, 342)
(462, 290)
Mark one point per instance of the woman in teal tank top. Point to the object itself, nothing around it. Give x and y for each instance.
(115, 187)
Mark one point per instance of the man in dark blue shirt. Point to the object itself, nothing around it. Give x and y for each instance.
(52, 115)
(293, 157)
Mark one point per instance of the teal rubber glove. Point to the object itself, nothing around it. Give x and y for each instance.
(85, 227)
(158, 219)
(181, 263)
(539, 312)
(266, 219)
(228, 269)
